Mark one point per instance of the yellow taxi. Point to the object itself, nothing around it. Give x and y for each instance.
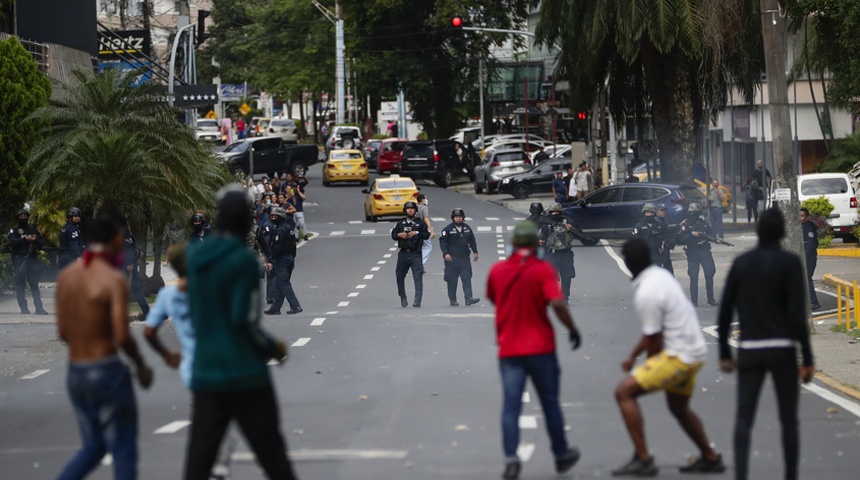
(387, 196)
(345, 166)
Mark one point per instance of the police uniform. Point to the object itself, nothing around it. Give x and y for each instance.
(698, 251)
(25, 254)
(132, 253)
(283, 248)
(558, 241)
(458, 241)
(810, 248)
(265, 234)
(651, 231)
(199, 235)
(409, 256)
(71, 244)
(669, 235)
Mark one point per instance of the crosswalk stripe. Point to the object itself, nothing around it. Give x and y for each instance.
(304, 341)
(317, 321)
(368, 277)
(172, 427)
(352, 295)
(493, 219)
(35, 374)
(343, 304)
(360, 286)
(337, 233)
(368, 232)
(381, 262)
(524, 451)
(485, 229)
(374, 269)
(528, 421)
(387, 255)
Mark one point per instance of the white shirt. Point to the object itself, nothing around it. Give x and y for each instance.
(581, 178)
(662, 307)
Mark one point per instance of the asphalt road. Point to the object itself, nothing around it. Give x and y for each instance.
(375, 391)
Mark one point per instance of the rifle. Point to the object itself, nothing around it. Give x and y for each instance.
(713, 239)
(582, 237)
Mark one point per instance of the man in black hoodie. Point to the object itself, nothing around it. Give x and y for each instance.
(765, 286)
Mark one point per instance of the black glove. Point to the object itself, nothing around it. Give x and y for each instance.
(574, 338)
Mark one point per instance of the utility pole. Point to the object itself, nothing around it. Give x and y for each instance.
(774, 33)
(337, 19)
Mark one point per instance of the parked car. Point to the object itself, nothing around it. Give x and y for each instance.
(208, 130)
(345, 166)
(343, 136)
(387, 196)
(390, 154)
(284, 128)
(538, 179)
(837, 189)
(442, 161)
(467, 135)
(532, 145)
(498, 164)
(371, 152)
(258, 126)
(613, 211)
(270, 155)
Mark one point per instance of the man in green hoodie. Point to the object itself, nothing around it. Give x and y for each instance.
(229, 376)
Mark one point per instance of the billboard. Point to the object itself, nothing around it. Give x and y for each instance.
(128, 67)
(71, 23)
(122, 44)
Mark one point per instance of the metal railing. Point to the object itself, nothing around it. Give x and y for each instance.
(851, 292)
(39, 51)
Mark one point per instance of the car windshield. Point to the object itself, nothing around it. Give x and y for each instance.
(418, 151)
(396, 184)
(823, 186)
(207, 123)
(237, 147)
(692, 194)
(282, 123)
(345, 155)
(510, 157)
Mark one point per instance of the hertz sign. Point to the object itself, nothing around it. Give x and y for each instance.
(125, 43)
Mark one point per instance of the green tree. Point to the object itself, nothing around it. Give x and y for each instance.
(676, 57)
(23, 89)
(108, 143)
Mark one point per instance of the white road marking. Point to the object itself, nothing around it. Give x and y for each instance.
(485, 229)
(107, 459)
(615, 257)
(387, 255)
(468, 219)
(331, 455)
(526, 397)
(493, 219)
(461, 315)
(273, 363)
(352, 295)
(35, 374)
(337, 233)
(499, 229)
(392, 249)
(172, 427)
(368, 232)
(502, 258)
(374, 269)
(437, 219)
(509, 228)
(333, 312)
(359, 287)
(355, 222)
(368, 277)
(528, 421)
(519, 219)
(381, 262)
(500, 252)
(301, 342)
(317, 321)
(524, 451)
(343, 304)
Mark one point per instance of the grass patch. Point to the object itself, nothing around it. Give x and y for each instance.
(853, 333)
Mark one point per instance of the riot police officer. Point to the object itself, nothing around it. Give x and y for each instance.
(410, 233)
(456, 241)
(670, 234)
(650, 230)
(71, 242)
(132, 253)
(25, 243)
(199, 228)
(693, 231)
(536, 214)
(284, 257)
(557, 237)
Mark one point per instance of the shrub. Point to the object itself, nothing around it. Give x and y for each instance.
(819, 207)
(825, 240)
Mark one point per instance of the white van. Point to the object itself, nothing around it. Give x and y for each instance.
(837, 188)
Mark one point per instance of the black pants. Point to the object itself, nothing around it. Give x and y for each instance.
(405, 262)
(283, 283)
(271, 285)
(256, 412)
(811, 262)
(665, 260)
(136, 287)
(562, 260)
(64, 259)
(753, 365)
(25, 271)
(752, 210)
(695, 258)
(458, 268)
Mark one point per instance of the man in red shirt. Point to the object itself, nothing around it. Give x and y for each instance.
(527, 343)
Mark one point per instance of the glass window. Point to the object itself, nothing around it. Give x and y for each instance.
(346, 156)
(605, 195)
(267, 144)
(392, 184)
(637, 194)
(656, 193)
(823, 186)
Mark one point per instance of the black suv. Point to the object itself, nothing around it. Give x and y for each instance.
(439, 160)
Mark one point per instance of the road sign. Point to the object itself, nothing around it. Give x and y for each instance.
(245, 109)
(782, 194)
(193, 96)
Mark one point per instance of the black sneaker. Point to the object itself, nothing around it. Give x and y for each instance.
(703, 465)
(512, 470)
(41, 311)
(416, 304)
(272, 312)
(295, 311)
(567, 461)
(637, 468)
(455, 304)
(472, 301)
(403, 302)
(713, 303)
(816, 307)
(25, 311)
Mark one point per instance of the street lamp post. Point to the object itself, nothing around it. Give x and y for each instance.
(337, 19)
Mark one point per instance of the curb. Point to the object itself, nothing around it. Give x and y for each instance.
(835, 385)
(850, 252)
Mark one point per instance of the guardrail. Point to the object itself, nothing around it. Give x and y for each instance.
(851, 293)
(37, 50)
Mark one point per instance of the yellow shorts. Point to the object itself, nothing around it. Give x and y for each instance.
(662, 372)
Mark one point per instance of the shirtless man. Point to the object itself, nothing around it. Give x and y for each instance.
(92, 318)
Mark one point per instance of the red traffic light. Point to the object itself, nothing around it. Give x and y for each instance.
(456, 22)
(582, 115)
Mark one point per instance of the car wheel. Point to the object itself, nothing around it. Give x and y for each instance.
(374, 218)
(366, 216)
(478, 187)
(445, 180)
(299, 169)
(521, 191)
(237, 171)
(365, 183)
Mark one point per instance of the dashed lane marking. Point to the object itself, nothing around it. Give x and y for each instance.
(317, 321)
(37, 373)
(519, 219)
(392, 249)
(485, 229)
(355, 222)
(526, 397)
(368, 277)
(528, 421)
(493, 219)
(352, 295)
(368, 232)
(387, 255)
(172, 427)
(343, 304)
(437, 219)
(333, 312)
(374, 269)
(360, 286)
(301, 342)
(524, 451)
(337, 233)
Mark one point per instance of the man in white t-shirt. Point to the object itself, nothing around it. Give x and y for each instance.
(676, 350)
(579, 184)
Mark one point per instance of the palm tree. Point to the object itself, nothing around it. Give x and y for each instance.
(108, 142)
(677, 56)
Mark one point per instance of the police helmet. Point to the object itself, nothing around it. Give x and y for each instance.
(197, 218)
(73, 212)
(278, 212)
(555, 207)
(661, 206)
(23, 211)
(649, 207)
(536, 208)
(457, 212)
(410, 204)
(694, 208)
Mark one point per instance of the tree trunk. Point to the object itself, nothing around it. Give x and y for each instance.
(669, 84)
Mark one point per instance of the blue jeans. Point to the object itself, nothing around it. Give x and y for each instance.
(717, 221)
(544, 372)
(103, 398)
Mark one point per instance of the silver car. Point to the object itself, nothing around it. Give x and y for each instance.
(284, 128)
(498, 164)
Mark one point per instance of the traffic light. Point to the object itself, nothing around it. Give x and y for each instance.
(456, 33)
(583, 116)
(201, 26)
(457, 22)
